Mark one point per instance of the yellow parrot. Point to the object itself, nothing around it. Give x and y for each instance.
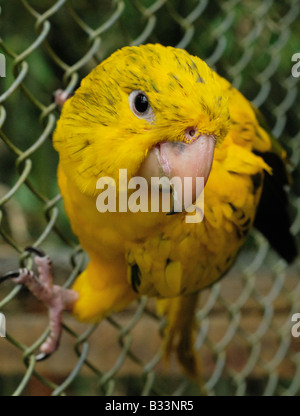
(158, 112)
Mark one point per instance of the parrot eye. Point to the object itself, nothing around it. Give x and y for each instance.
(141, 103)
(140, 106)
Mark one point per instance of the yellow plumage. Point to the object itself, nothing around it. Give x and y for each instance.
(152, 253)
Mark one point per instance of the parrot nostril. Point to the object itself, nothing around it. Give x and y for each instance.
(191, 133)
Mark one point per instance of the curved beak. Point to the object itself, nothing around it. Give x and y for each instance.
(186, 164)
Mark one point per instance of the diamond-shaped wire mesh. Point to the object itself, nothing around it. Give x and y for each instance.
(244, 335)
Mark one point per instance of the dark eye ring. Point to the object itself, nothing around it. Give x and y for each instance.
(140, 105)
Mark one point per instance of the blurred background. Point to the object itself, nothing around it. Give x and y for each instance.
(244, 336)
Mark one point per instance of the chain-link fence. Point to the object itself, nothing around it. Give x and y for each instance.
(244, 336)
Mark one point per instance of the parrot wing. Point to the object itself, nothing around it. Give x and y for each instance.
(273, 216)
(273, 212)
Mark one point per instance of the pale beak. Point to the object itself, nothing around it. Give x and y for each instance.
(184, 160)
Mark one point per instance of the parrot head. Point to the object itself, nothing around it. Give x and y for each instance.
(153, 110)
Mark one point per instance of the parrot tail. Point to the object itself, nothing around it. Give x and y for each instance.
(179, 333)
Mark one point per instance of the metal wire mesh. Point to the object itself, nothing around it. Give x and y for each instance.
(244, 335)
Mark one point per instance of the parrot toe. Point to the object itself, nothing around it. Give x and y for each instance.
(41, 356)
(9, 275)
(60, 97)
(56, 298)
(36, 251)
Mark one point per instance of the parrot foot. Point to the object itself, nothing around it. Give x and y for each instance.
(60, 97)
(56, 298)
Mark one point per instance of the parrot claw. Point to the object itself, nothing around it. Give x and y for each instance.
(60, 97)
(9, 275)
(36, 251)
(16, 273)
(41, 356)
(56, 298)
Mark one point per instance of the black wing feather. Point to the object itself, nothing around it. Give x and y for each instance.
(272, 217)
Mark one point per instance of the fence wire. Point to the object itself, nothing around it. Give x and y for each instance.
(244, 335)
